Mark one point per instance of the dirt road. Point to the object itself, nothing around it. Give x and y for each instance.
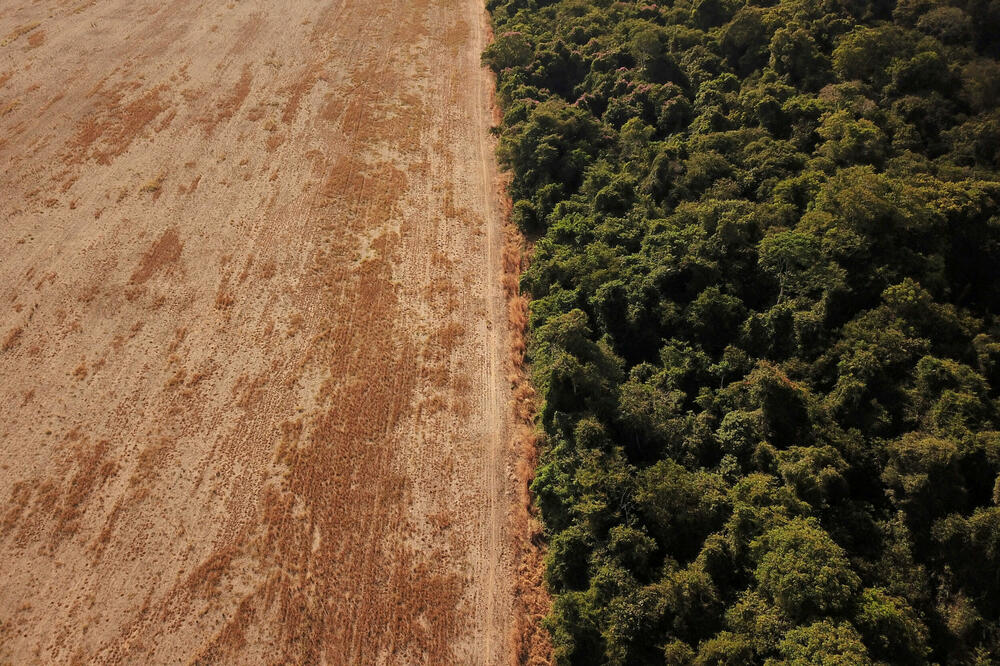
(253, 402)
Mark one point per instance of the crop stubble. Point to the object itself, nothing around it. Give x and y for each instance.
(254, 380)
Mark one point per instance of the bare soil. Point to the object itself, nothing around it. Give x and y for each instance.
(255, 384)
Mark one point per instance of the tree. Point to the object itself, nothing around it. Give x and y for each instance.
(803, 571)
(681, 508)
(822, 643)
(793, 259)
(794, 53)
(745, 40)
(923, 477)
(816, 473)
(573, 372)
(891, 628)
(852, 141)
(865, 54)
(762, 623)
(511, 49)
(724, 649)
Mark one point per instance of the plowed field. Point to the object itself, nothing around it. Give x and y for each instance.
(253, 401)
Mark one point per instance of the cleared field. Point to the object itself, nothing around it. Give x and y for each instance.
(253, 395)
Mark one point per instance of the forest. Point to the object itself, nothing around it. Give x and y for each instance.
(765, 324)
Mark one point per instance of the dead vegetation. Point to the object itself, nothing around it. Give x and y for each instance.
(531, 641)
(11, 338)
(118, 121)
(153, 186)
(160, 256)
(228, 106)
(10, 106)
(18, 32)
(36, 39)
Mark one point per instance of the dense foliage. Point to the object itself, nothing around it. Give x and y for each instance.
(764, 324)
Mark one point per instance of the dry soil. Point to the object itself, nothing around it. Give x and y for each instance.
(253, 400)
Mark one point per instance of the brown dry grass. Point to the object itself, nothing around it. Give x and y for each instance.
(93, 470)
(36, 39)
(228, 106)
(11, 338)
(153, 186)
(117, 123)
(531, 641)
(10, 106)
(18, 32)
(206, 578)
(160, 256)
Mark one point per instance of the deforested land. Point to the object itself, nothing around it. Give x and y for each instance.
(254, 364)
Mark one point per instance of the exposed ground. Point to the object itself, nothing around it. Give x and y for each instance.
(253, 400)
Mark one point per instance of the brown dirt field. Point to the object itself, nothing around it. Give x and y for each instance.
(255, 370)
